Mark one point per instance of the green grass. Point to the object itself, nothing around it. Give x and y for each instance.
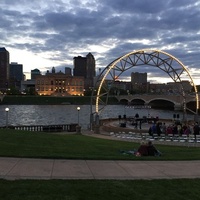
(44, 100)
(186, 189)
(44, 145)
(49, 100)
(68, 146)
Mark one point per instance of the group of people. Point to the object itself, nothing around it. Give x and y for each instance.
(175, 129)
(147, 149)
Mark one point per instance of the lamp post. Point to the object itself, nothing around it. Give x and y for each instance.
(78, 128)
(78, 109)
(7, 110)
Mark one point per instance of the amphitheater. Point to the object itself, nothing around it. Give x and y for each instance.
(112, 129)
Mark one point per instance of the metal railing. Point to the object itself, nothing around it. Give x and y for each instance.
(45, 128)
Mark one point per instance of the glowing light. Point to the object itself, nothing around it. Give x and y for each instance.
(142, 51)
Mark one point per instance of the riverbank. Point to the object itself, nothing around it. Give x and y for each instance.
(49, 100)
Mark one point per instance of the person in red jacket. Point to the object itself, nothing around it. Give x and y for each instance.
(142, 150)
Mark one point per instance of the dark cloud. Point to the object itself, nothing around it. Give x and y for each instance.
(107, 28)
(136, 6)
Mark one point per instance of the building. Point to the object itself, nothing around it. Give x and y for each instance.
(4, 69)
(159, 88)
(85, 66)
(91, 72)
(80, 66)
(123, 86)
(59, 84)
(27, 86)
(34, 73)
(171, 87)
(139, 81)
(16, 75)
(138, 78)
(178, 87)
(68, 71)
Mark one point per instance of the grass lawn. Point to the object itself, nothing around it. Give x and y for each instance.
(44, 145)
(184, 189)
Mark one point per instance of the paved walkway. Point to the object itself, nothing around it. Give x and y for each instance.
(25, 168)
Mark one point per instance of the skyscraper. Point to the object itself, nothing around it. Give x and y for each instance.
(4, 68)
(90, 67)
(85, 66)
(16, 74)
(80, 66)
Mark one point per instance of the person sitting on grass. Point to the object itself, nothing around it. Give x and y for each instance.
(152, 151)
(147, 150)
(142, 150)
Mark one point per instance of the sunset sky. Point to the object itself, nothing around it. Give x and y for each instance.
(46, 33)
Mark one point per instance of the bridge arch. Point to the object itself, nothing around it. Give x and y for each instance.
(165, 103)
(151, 57)
(138, 101)
(124, 101)
(161, 99)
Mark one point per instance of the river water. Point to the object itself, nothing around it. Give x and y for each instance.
(67, 114)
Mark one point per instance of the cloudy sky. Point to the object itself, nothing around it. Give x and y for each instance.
(46, 33)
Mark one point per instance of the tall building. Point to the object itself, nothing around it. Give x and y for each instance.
(138, 78)
(139, 81)
(90, 67)
(16, 74)
(85, 66)
(80, 64)
(34, 73)
(4, 69)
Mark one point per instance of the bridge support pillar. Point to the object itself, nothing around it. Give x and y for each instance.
(178, 107)
(196, 118)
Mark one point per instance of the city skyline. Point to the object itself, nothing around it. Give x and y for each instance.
(40, 34)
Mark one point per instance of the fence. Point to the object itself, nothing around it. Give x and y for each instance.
(46, 128)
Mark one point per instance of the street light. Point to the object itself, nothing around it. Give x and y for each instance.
(78, 109)
(7, 110)
(78, 128)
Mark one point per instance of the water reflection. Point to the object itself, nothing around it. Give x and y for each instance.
(66, 114)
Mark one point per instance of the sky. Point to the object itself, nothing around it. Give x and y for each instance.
(50, 33)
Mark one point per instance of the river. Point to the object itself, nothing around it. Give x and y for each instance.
(67, 114)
